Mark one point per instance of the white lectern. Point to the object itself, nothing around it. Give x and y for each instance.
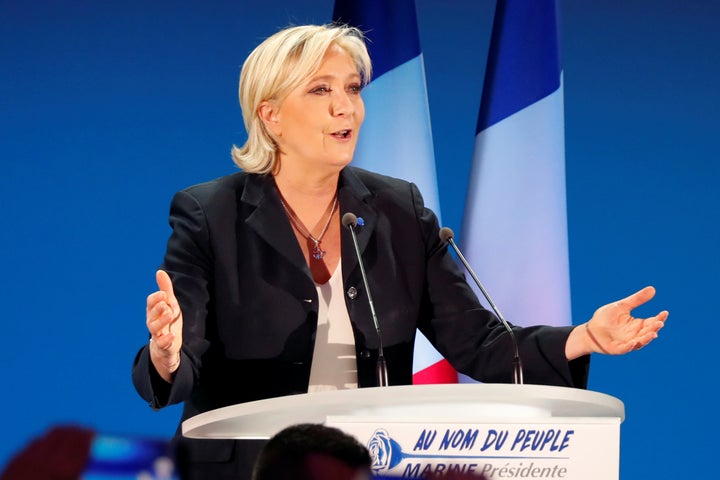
(502, 431)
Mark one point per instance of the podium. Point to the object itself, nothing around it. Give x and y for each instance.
(499, 430)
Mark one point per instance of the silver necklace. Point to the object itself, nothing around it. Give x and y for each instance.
(317, 252)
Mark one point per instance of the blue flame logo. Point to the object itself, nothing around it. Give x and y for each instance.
(385, 452)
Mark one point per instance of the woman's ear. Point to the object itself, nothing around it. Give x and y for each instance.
(269, 114)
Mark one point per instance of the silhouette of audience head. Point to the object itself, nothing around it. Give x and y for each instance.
(313, 452)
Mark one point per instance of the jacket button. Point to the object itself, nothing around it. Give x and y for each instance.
(364, 354)
(352, 293)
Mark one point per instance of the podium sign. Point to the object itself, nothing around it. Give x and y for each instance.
(501, 431)
(570, 448)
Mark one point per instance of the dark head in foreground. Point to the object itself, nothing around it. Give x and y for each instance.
(313, 452)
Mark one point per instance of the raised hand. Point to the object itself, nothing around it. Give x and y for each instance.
(164, 322)
(614, 331)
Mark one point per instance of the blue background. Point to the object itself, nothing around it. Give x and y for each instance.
(107, 108)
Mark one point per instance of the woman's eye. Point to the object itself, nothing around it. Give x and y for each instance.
(356, 89)
(320, 90)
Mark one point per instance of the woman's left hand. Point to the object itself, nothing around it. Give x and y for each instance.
(613, 330)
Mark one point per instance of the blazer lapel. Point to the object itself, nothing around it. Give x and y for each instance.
(269, 220)
(354, 198)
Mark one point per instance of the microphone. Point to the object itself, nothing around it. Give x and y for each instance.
(446, 236)
(350, 221)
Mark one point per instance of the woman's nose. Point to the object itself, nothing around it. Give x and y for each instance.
(342, 103)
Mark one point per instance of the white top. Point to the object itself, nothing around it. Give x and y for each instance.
(334, 366)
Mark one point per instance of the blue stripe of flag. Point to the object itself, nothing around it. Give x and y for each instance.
(523, 64)
(390, 27)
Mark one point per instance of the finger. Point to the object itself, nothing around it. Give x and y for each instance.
(640, 342)
(158, 328)
(656, 322)
(164, 282)
(160, 310)
(164, 342)
(159, 320)
(154, 299)
(637, 298)
(649, 328)
(626, 347)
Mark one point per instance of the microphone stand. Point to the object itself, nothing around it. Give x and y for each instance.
(350, 221)
(446, 235)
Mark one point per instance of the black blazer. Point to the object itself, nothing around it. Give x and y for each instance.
(250, 306)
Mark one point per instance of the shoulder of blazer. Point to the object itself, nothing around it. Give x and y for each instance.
(372, 182)
(380, 191)
(250, 188)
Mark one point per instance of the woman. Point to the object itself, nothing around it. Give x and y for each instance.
(260, 293)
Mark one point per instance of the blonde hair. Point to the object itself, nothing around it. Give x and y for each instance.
(278, 65)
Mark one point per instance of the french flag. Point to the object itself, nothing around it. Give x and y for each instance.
(514, 229)
(396, 138)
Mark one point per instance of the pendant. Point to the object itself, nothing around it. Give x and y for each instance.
(317, 252)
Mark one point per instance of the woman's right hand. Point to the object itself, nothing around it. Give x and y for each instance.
(164, 321)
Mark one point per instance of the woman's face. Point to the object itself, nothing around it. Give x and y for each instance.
(317, 124)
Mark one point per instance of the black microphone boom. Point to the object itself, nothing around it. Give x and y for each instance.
(350, 221)
(446, 236)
